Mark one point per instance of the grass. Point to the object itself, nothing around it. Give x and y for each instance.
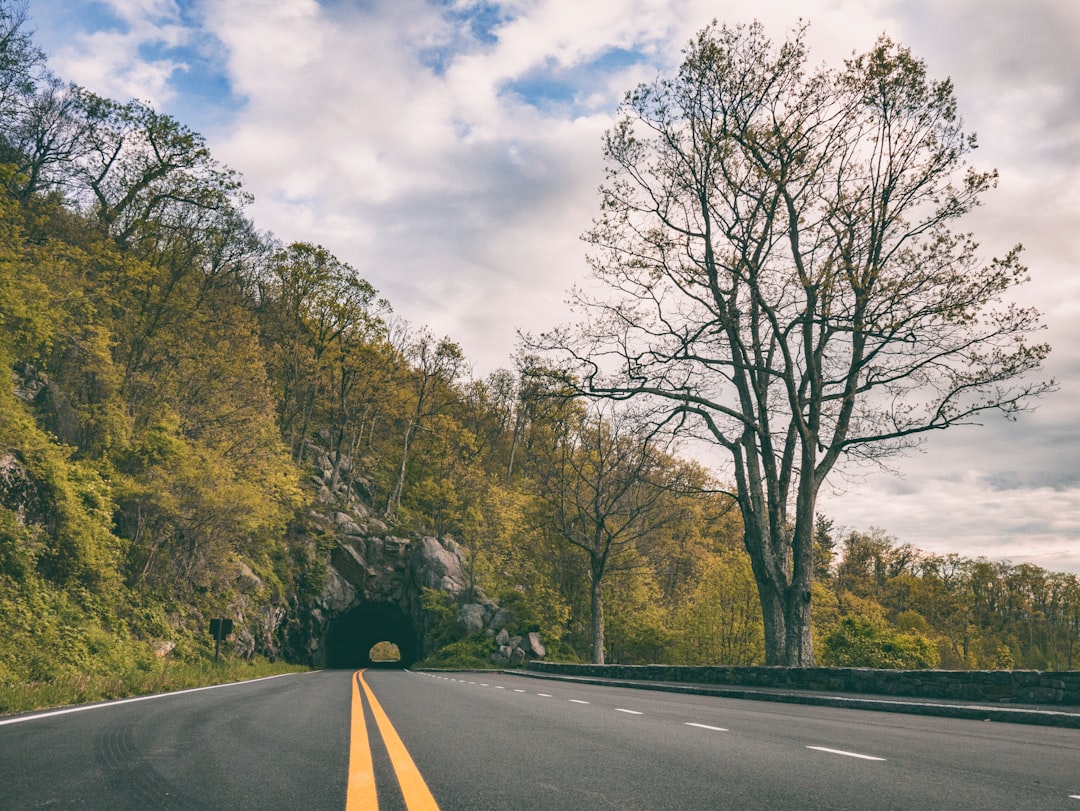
(81, 688)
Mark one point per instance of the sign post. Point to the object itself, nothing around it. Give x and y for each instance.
(219, 629)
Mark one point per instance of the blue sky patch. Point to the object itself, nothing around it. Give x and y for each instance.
(472, 27)
(543, 88)
(481, 20)
(553, 86)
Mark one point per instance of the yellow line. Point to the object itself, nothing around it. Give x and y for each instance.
(413, 788)
(361, 794)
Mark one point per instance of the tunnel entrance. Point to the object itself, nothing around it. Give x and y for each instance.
(351, 637)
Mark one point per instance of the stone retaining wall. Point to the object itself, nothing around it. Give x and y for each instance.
(1009, 686)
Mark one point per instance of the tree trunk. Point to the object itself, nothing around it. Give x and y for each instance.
(798, 639)
(773, 617)
(394, 503)
(597, 619)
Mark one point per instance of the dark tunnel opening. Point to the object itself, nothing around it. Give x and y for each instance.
(351, 636)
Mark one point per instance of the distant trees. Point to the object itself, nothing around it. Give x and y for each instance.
(978, 613)
(786, 284)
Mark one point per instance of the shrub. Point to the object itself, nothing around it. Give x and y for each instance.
(859, 642)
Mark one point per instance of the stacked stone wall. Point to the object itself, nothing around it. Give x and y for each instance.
(998, 686)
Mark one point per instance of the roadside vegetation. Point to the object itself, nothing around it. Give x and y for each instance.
(140, 679)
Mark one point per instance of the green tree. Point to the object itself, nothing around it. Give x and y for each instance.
(721, 622)
(437, 365)
(787, 284)
(603, 481)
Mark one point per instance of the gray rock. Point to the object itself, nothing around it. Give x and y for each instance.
(502, 638)
(536, 646)
(338, 594)
(369, 566)
(471, 617)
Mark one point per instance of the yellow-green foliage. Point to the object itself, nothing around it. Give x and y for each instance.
(859, 642)
(721, 622)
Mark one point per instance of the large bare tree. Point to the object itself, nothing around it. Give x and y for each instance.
(783, 278)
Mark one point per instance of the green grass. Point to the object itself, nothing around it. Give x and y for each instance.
(68, 688)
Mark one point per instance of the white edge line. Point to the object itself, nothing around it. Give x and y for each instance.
(706, 726)
(845, 754)
(85, 707)
(628, 712)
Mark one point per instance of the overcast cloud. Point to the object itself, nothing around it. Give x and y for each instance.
(451, 152)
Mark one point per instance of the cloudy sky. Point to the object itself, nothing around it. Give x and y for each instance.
(450, 150)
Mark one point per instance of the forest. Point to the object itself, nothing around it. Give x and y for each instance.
(169, 366)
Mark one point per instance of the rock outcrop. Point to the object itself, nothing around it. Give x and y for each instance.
(370, 566)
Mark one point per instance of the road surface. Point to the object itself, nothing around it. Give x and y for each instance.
(384, 740)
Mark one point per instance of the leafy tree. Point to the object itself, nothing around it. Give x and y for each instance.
(721, 622)
(437, 366)
(787, 284)
(324, 328)
(603, 482)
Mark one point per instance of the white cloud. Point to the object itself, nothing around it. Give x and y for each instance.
(110, 62)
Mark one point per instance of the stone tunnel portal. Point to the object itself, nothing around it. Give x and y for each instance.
(351, 636)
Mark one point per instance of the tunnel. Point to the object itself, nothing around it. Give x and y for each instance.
(351, 636)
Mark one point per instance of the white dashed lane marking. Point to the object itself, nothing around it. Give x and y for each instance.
(709, 727)
(845, 754)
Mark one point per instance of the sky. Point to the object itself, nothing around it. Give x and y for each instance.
(450, 150)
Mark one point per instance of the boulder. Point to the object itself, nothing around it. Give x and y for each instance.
(439, 566)
(501, 618)
(535, 645)
(471, 617)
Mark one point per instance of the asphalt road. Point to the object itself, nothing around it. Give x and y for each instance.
(491, 741)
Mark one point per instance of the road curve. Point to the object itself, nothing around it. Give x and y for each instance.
(494, 741)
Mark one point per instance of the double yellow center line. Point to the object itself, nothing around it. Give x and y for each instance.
(362, 795)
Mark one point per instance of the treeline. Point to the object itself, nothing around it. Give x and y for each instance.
(892, 599)
(171, 367)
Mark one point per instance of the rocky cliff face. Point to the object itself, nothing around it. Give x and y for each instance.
(375, 581)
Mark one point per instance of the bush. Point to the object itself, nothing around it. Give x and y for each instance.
(859, 642)
(471, 653)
